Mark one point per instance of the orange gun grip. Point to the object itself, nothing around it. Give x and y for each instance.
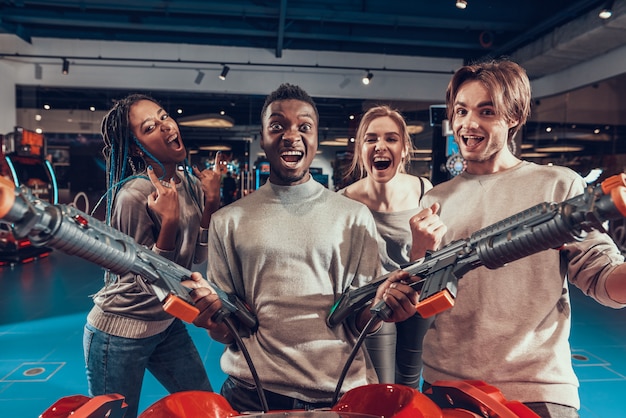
(7, 196)
(613, 182)
(435, 304)
(177, 307)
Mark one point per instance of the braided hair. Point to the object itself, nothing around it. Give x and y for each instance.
(122, 164)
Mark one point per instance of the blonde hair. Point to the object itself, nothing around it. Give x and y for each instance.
(374, 113)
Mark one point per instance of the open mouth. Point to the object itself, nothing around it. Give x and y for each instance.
(174, 141)
(472, 141)
(381, 163)
(292, 157)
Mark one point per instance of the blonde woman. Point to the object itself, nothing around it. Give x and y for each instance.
(381, 155)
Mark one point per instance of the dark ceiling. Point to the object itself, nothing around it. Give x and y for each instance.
(430, 28)
(395, 27)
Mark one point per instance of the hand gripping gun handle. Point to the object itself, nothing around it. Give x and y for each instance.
(541, 227)
(75, 233)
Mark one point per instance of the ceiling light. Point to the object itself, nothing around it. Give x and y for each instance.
(535, 154)
(461, 4)
(414, 128)
(368, 77)
(562, 148)
(207, 120)
(215, 148)
(224, 73)
(199, 77)
(607, 11)
(66, 66)
(38, 72)
(337, 142)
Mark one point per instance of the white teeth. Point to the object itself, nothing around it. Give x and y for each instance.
(292, 153)
(172, 139)
(377, 159)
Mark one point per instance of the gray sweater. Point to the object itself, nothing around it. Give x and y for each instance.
(289, 252)
(128, 307)
(510, 326)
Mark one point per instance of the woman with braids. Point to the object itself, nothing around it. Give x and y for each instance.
(381, 153)
(152, 197)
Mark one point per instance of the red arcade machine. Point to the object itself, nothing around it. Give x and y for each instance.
(22, 160)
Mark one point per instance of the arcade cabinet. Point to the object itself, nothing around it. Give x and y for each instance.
(22, 160)
(319, 176)
(261, 173)
(447, 160)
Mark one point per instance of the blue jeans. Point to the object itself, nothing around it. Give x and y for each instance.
(117, 365)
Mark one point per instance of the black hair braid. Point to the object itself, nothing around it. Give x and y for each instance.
(117, 138)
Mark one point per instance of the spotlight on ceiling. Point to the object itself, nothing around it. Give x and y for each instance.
(66, 67)
(461, 4)
(367, 78)
(224, 73)
(607, 11)
(199, 77)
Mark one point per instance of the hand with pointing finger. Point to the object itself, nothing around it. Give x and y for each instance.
(164, 203)
(210, 180)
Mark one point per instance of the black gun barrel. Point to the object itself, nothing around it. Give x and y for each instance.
(75, 233)
(541, 227)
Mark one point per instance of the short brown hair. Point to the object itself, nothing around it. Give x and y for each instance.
(508, 84)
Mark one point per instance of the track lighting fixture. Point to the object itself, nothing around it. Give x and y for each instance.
(199, 77)
(607, 11)
(66, 66)
(367, 78)
(461, 4)
(38, 71)
(224, 73)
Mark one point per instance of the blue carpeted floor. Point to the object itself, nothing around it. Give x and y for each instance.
(43, 305)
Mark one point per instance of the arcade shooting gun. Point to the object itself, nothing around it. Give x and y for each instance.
(542, 227)
(75, 233)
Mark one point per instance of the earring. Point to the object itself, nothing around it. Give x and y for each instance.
(137, 164)
(132, 165)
